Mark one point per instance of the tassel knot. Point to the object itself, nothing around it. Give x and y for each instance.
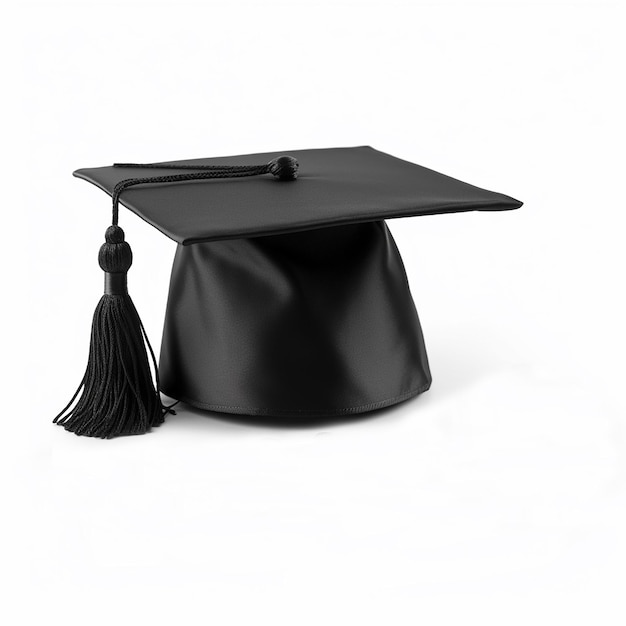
(115, 255)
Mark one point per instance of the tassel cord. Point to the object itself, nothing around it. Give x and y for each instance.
(207, 172)
(284, 168)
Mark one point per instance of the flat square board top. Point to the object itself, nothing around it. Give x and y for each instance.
(334, 186)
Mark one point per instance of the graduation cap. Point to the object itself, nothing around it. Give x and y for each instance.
(288, 296)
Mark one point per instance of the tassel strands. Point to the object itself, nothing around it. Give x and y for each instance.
(118, 395)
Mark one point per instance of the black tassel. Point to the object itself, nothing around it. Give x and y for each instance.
(118, 396)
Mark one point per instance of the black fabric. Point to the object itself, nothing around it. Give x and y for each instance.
(314, 323)
(334, 186)
(293, 299)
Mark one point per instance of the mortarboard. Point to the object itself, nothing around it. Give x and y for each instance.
(288, 296)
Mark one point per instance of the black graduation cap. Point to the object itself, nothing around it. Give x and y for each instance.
(288, 296)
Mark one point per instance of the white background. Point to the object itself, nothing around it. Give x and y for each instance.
(498, 497)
